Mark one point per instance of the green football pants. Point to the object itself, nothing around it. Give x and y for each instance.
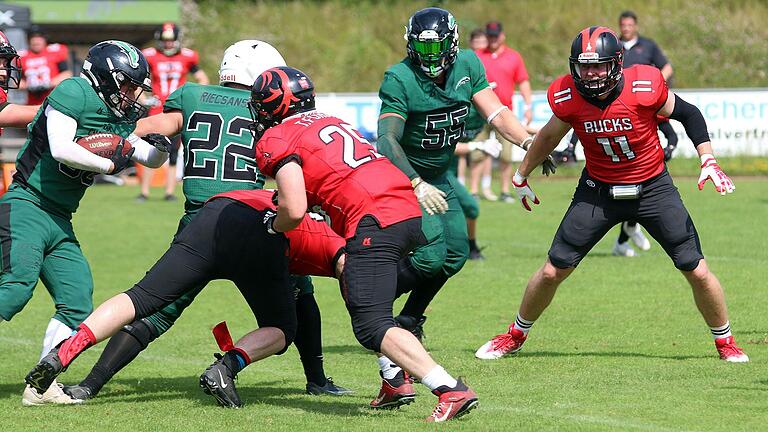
(36, 245)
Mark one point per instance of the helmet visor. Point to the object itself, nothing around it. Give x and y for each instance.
(431, 49)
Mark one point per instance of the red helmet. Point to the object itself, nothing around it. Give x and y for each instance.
(168, 32)
(596, 45)
(10, 63)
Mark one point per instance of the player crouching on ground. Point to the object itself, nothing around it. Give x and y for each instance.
(613, 111)
(229, 239)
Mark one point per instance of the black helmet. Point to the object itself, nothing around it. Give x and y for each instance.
(433, 40)
(168, 32)
(278, 93)
(109, 66)
(596, 45)
(10, 64)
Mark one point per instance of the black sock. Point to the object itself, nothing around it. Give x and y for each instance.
(623, 237)
(422, 295)
(308, 339)
(121, 349)
(472, 245)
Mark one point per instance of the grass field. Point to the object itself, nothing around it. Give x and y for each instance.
(621, 348)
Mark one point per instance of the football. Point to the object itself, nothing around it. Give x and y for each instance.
(102, 144)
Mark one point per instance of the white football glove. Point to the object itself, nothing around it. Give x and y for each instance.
(430, 197)
(491, 147)
(710, 170)
(524, 191)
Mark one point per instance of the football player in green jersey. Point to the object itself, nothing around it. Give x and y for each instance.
(53, 172)
(218, 157)
(425, 103)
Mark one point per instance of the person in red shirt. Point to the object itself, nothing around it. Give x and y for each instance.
(614, 113)
(321, 162)
(44, 66)
(170, 64)
(505, 69)
(229, 239)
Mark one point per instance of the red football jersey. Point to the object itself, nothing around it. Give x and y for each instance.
(621, 143)
(343, 174)
(312, 245)
(39, 68)
(169, 72)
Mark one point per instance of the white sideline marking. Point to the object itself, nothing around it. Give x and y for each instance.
(583, 418)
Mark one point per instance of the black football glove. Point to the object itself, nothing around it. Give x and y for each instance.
(160, 142)
(119, 160)
(668, 152)
(548, 166)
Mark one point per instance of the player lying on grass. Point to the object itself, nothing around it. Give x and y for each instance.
(231, 238)
(214, 163)
(613, 111)
(53, 173)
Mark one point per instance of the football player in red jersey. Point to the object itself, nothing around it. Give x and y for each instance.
(228, 239)
(321, 162)
(44, 66)
(614, 113)
(170, 64)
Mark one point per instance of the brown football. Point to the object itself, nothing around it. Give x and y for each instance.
(103, 144)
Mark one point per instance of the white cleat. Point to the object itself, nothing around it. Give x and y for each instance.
(54, 395)
(623, 249)
(637, 236)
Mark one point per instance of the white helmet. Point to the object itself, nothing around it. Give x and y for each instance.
(245, 60)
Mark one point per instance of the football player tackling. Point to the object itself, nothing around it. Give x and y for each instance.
(613, 112)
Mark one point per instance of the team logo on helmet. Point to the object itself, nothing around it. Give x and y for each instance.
(130, 52)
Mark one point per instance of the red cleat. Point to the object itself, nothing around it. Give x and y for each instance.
(393, 397)
(453, 403)
(729, 351)
(501, 345)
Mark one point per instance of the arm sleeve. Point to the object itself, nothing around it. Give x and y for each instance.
(390, 133)
(61, 141)
(692, 120)
(63, 66)
(145, 153)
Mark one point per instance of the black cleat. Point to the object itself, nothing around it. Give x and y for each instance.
(45, 371)
(79, 392)
(476, 255)
(328, 389)
(219, 382)
(412, 324)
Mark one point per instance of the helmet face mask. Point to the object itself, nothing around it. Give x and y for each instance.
(119, 74)
(596, 61)
(433, 40)
(168, 39)
(10, 65)
(278, 93)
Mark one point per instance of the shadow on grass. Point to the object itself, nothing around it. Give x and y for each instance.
(617, 354)
(187, 388)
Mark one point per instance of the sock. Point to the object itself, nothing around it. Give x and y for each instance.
(308, 339)
(723, 331)
(76, 344)
(56, 332)
(472, 244)
(438, 377)
(121, 349)
(236, 360)
(522, 324)
(623, 236)
(389, 370)
(486, 182)
(422, 295)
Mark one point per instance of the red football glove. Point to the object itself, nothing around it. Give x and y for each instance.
(710, 170)
(523, 190)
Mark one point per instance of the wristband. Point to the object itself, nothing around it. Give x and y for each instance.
(526, 144)
(496, 113)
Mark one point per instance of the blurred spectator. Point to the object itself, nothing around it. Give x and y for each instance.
(170, 64)
(477, 42)
(505, 69)
(43, 66)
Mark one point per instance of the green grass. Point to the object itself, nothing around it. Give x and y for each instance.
(621, 347)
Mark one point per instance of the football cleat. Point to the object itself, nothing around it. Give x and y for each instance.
(54, 395)
(506, 198)
(79, 392)
(502, 345)
(219, 382)
(391, 396)
(623, 249)
(637, 236)
(489, 195)
(328, 389)
(45, 371)
(476, 255)
(729, 351)
(412, 324)
(453, 403)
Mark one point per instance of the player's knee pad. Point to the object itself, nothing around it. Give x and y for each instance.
(143, 331)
